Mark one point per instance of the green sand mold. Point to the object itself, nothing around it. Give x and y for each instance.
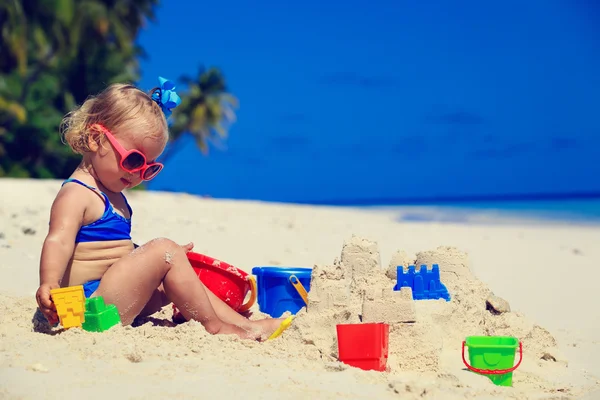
(100, 317)
(493, 353)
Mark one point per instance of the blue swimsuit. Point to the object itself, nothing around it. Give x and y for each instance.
(111, 226)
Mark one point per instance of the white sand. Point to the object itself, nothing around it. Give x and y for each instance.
(548, 273)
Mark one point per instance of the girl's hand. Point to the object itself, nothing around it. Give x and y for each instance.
(188, 247)
(45, 302)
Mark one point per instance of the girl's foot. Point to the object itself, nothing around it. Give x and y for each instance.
(259, 330)
(267, 326)
(243, 333)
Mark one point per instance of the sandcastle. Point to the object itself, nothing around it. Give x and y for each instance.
(357, 279)
(356, 288)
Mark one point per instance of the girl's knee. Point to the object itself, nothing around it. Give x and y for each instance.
(165, 250)
(161, 243)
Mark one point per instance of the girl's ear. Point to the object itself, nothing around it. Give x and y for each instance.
(93, 138)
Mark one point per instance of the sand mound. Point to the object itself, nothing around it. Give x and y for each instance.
(424, 346)
(432, 343)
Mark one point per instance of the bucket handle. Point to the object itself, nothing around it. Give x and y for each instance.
(299, 288)
(492, 371)
(252, 299)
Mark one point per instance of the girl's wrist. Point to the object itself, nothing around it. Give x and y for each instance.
(49, 281)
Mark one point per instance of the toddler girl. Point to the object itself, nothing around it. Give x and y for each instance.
(120, 133)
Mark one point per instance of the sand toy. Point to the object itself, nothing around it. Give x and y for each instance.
(493, 356)
(227, 282)
(99, 316)
(284, 325)
(70, 305)
(425, 284)
(282, 289)
(363, 346)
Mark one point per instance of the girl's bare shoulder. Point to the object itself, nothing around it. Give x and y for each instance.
(75, 200)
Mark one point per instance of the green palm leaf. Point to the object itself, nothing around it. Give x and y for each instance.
(207, 109)
(55, 53)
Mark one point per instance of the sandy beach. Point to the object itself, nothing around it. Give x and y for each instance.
(548, 273)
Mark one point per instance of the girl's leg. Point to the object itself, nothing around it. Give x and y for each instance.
(225, 313)
(131, 282)
(229, 315)
(157, 301)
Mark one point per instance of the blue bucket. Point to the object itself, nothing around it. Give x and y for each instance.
(276, 294)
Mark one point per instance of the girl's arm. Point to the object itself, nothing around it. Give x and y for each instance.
(66, 217)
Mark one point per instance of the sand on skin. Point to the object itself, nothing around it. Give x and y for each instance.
(527, 265)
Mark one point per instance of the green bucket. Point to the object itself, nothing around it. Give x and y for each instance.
(493, 356)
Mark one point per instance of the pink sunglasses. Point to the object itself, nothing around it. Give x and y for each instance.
(132, 161)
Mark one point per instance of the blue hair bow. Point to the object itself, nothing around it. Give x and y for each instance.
(165, 96)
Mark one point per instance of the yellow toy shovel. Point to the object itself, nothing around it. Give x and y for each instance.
(284, 325)
(288, 321)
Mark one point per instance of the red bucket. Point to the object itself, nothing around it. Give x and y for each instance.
(227, 282)
(363, 346)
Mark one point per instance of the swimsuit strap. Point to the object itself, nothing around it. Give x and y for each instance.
(107, 204)
(128, 206)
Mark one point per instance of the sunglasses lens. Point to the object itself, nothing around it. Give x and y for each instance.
(151, 171)
(133, 161)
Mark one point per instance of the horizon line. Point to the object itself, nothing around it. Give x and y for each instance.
(454, 199)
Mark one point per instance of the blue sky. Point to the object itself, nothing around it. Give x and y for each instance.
(344, 101)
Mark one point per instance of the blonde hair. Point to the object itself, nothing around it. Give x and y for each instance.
(119, 107)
